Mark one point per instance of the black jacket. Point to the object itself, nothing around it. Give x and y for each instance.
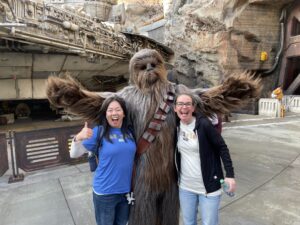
(212, 149)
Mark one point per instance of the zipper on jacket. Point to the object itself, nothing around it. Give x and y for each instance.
(178, 175)
(176, 149)
(175, 158)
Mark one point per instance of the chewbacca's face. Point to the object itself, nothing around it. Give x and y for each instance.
(147, 69)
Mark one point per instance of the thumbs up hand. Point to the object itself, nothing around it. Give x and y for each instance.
(85, 133)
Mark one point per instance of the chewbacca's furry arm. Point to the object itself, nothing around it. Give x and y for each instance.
(68, 94)
(236, 91)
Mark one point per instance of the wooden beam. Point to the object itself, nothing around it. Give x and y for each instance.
(294, 85)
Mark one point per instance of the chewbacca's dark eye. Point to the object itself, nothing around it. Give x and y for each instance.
(153, 65)
(143, 67)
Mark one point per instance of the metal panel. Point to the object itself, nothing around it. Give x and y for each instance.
(294, 86)
(3, 155)
(13, 59)
(80, 63)
(44, 148)
(119, 68)
(16, 89)
(25, 88)
(10, 72)
(8, 89)
(39, 88)
(48, 62)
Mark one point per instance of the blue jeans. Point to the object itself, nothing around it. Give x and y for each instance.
(209, 206)
(111, 209)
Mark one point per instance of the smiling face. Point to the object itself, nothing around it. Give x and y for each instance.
(185, 108)
(115, 114)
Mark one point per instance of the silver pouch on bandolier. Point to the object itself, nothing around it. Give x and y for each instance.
(130, 198)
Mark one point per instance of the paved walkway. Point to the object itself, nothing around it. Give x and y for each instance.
(266, 156)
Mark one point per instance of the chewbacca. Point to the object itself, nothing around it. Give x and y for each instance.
(155, 184)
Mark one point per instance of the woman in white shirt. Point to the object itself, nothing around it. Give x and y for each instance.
(200, 149)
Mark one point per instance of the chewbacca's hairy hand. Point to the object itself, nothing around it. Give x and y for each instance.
(242, 86)
(68, 94)
(63, 92)
(236, 91)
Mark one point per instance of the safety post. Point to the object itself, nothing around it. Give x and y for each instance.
(16, 176)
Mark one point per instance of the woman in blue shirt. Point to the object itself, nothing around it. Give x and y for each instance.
(112, 178)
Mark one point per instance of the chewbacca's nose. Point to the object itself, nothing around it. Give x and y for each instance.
(149, 67)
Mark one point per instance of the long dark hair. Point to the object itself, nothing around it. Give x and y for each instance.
(126, 132)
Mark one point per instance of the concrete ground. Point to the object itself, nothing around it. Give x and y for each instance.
(266, 157)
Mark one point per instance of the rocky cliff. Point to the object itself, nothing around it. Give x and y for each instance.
(212, 38)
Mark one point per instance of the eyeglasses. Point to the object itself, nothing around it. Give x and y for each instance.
(181, 104)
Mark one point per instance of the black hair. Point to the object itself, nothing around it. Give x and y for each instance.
(103, 121)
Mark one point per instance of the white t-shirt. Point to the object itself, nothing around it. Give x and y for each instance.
(191, 174)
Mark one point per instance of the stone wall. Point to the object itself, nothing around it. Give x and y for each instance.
(212, 38)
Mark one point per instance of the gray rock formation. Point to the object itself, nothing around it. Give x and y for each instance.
(214, 37)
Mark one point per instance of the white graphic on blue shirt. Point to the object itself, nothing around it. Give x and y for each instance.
(119, 137)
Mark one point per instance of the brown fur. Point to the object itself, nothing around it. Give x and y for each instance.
(155, 188)
(234, 93)
(68, 94)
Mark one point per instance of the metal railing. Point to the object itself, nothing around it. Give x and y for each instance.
(271, 106)
(39, 149)
(292, 103)
(3, 154)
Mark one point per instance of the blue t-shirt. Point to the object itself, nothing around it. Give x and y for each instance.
(113, 174)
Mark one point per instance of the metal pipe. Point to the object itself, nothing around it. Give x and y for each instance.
(13, 25)
(55, 43)
(11, 153)
(14, 144)
(278, 55)
(7, 44)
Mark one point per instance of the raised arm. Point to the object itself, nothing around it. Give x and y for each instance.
(77, 148)
(73, 98)
(236, 91)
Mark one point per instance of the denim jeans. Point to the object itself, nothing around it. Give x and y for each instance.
(111, 209)
(209, 206)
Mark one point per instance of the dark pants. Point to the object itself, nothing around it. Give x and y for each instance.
(111, 209)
